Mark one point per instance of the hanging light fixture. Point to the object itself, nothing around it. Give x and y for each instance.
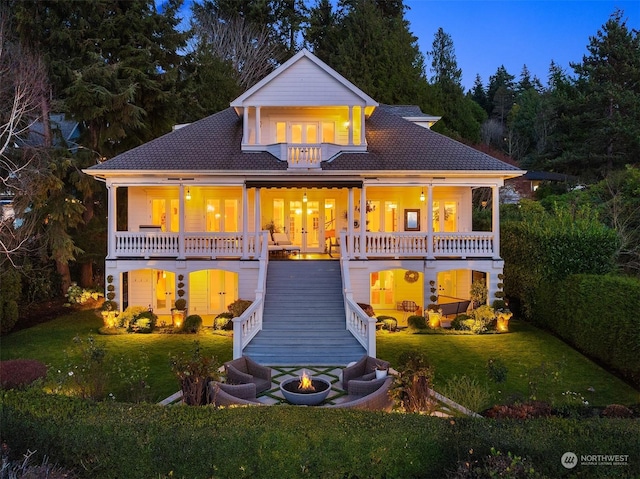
(304, 197)
(422, 195)
(188, 195)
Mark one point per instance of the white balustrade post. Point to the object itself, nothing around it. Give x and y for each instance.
(495, 220)
(363, 222)
(245, 222)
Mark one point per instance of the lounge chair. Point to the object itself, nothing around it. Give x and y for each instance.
(369, 395)
(284, 243)
(221, 394)
(363, 370)
(245, 370)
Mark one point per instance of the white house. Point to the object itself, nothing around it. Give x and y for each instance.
(306, 151)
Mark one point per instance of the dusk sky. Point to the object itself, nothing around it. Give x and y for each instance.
(490, 33)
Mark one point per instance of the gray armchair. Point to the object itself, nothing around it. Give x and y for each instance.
(221, 394)
(363, 370)
(245, 370)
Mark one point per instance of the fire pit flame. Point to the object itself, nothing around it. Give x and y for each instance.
(306, 384)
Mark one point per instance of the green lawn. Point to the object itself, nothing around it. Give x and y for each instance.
(527, 352)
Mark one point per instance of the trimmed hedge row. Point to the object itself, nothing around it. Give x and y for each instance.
(597, 314)
(106, 440)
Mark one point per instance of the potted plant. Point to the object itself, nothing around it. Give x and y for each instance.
(501, 308)
(434, 312)
(381, 371)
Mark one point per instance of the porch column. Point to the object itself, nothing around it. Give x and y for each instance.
(363, 222)
(350, 125)
(495, 220)
(245, 125)
(258, 228)
(430, 254)
(181, 208)
(112, 220)
(362, 135)
(258, 139)
(245, 222)
(350, 242)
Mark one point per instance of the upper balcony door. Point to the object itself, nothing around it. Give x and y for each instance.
(165, 213)
(304, 133)
(445, 216)
(222, 215)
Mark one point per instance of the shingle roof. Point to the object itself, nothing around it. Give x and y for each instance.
(213, 143)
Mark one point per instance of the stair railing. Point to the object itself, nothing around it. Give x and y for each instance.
(359, 323)
(249, 323)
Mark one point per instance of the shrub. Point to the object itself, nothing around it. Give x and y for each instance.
(10, 291)
(194, 371)
(497, 370)
(19, 373)
(467, 392)
(607, 331)
(142, 322)
(617, 411)
(223, 321)
(368, 309)
(388, 322)
(462, 322)
(79, 295)
(24, 468)
(181, 304)
(494, 465)
(192, 324)
(238, 307)
(416, 322)
(526, 410)
(483, 317)
(411, 390)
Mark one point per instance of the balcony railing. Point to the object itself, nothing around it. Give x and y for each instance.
(304, 156)
(377, 245)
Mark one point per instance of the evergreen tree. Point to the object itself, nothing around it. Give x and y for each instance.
(479, 94)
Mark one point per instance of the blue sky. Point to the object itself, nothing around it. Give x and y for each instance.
(490, 33)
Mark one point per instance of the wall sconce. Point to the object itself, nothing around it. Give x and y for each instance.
(422, 195)
(188, 195)
(304, 197)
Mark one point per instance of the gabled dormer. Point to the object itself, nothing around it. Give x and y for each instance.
(304, 113)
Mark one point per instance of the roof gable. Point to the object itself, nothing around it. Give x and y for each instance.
(304, 80)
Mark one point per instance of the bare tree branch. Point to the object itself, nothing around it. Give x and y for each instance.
(249, 48)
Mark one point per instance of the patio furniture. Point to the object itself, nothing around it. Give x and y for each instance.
(245, 370)
(369, 395)
(454, 308)
(284, 243)
(363, 370)
(409, 307)
(221, 394)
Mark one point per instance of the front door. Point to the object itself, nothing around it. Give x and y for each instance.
(306, 225)
(164, 291)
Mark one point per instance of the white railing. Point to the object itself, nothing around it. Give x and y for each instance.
(471, 244)
(131, 244)
(249, 324)
(463, 244)
(146, 244)
(359, 323)
(304, 156)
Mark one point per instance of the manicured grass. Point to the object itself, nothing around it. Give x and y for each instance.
(47, 342)
(527, 352)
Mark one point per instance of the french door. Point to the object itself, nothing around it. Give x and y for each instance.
(306, 225)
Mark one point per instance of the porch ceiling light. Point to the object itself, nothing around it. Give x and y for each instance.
(422, 195)
(188, 195)
(304, 197)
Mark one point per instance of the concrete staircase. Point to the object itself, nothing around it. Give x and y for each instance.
(304, 320)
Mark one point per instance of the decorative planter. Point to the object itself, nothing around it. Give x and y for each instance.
(435, 318)
(177, 317)
(502, 324)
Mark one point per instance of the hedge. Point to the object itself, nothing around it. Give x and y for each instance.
(597, 314)
(107, 440)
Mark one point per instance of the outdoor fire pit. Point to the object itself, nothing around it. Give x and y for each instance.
(305, 390)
